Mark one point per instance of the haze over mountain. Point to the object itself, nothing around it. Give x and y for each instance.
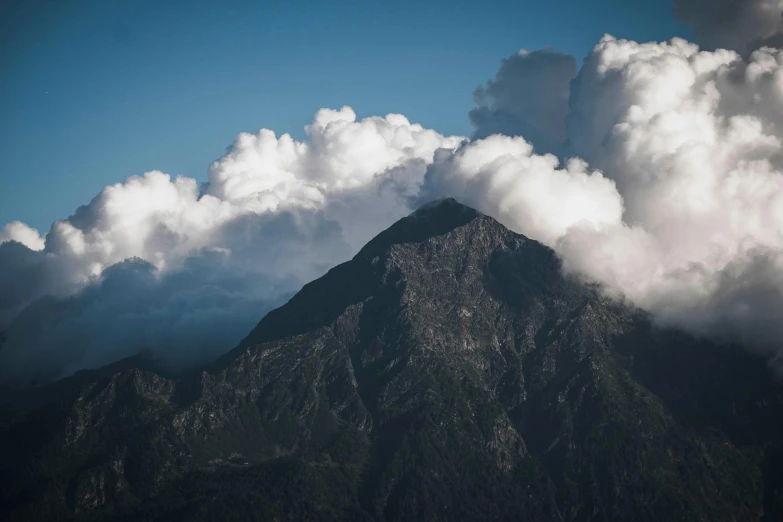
(450, 371)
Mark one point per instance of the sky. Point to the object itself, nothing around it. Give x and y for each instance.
(92, 92)
(152, 202)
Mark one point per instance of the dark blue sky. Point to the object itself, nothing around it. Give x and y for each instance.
(94, 91)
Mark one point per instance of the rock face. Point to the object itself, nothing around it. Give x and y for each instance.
(450, 371)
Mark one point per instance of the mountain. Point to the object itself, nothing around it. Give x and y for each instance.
(449, 371)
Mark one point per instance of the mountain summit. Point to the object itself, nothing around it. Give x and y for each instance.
(449, 371)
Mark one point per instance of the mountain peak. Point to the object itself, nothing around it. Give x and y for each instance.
(432, 219)
(449, 371)
(464, 234)
(443, 206)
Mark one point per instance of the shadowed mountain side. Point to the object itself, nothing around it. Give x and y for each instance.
(449, 371)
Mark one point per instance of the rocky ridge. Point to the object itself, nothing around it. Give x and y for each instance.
(449, 371)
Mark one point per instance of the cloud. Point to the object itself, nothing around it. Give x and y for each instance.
(23, 278)
(183, 271)
(672, 200)
(21, 233)
(681, 208)
(181, 318)
(502, 176)
(739, 25)
(528, 97)
(693, 141)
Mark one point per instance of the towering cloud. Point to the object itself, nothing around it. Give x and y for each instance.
(739, 25)
(162, 265)
(692, 142)
(528, 97)
(672, 199)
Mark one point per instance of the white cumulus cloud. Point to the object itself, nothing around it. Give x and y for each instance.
(672, 199)
(18, 231)
(682, 213)
(527, 192)
(275, 214)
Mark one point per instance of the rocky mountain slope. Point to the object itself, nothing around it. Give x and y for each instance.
(450, 371)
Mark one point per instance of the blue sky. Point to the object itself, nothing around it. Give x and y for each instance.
(94, 91)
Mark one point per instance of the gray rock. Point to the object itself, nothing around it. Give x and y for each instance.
(449, 371)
